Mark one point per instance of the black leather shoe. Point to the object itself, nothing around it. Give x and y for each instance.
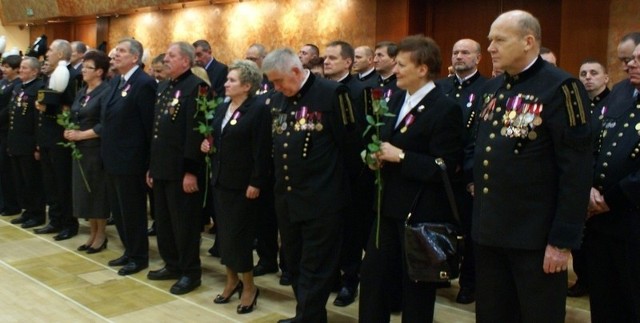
(224, 300)
(111, 221)
(162, 274)
(244, 309)
(83, 247)
(285, 279)
(345, 297)
(10, 212)
(131, 268)
(577, 290)
(19, 220)
(123, 260)
(289, 320)
(65, 234)
(466, 295)
(184, 285)
(31, 223)
(47, 229)
(260, 270)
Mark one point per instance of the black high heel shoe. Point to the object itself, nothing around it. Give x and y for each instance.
(224, 300)
(96, 250)
(248, 309)
(83, 247)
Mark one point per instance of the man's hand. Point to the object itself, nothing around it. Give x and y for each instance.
(555, 260)
(190, 183)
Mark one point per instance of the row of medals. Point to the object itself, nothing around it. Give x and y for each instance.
(522, 124)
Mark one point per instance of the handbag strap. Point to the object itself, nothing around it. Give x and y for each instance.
(448, 189)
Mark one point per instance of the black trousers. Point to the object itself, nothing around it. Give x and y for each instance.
(28, 184)
(378, 268)
(267, 230)
(178, 227)
(9, 199)
(128, 202)
(358, 221)
(614, 281)
(312, 250)
(468, 267)
(56, 174)
(511, 286)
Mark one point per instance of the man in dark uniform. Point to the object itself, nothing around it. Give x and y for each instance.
(127, 120)
(532, 154)
(217, 71)
(384, 61)
(311, 189)
(594, 77)
(614, 212)
(55, 160)
(464, 86)
(21, 143)
(10, 70)
(174, 170)
(358, 219)
(364, 66)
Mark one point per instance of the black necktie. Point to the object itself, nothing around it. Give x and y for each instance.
(121, 84)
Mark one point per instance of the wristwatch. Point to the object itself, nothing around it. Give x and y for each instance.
(401, 156)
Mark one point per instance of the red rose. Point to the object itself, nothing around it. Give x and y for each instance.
(203, 91)
(377, 93)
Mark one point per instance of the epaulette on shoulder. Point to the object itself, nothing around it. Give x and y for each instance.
(574, 105)
(346, 109)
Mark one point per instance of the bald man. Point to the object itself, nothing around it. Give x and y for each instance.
(531, 169)
(464, 87)
(364, 66)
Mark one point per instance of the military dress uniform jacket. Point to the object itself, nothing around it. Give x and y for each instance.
(49, 133)
(370, 80)
(355, 141)
(6, 93)
(436, 132)
(617, 173)
(532, 159)
(127, 118)
(243, 147)
(21, 138)
(311, 180)
(175, 146)
(466, 94)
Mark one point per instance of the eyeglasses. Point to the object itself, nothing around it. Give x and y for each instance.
(89, 67)
(252, 58)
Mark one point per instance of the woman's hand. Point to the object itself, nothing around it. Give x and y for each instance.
(252, 192)
(389, 152)
(205, 146)
(190, 183)
(72, 135)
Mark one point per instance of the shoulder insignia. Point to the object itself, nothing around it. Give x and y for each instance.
(573, 104)
(346, 109)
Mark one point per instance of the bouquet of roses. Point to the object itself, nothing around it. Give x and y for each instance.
(206, 109)
(379, 111)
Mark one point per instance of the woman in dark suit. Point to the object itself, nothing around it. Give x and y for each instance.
(427, 125)
(85, 113)
(240, 161)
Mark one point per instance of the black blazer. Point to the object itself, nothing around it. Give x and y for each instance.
(21, 138)
(243, 149)
(435, 133)
(127, 120)
(175, 146)
(86, 110)
(217, 73)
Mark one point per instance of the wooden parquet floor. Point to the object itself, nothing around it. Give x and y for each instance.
(48, 281)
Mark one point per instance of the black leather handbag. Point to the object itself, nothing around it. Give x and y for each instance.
(432, 249)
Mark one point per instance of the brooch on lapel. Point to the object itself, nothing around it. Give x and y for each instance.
(234, 118)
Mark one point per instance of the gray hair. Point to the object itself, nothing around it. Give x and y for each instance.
(32, 62)
(79, 46)
(262, 51)
(248, 73)
(186, 50)
(282, 60)
(135, 48)
(64, 47)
